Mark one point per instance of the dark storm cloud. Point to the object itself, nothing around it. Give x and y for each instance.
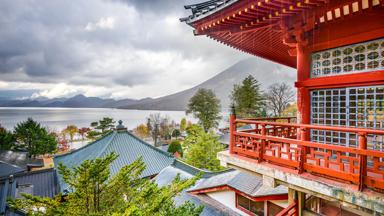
(105, 43)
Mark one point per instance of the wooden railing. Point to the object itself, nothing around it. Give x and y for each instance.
(289, 145)
(291, 210)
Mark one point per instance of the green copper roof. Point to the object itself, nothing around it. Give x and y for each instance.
(123, 143)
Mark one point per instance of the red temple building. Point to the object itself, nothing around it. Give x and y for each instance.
(331, 156)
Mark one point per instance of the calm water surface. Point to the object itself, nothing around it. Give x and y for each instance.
(59, 118)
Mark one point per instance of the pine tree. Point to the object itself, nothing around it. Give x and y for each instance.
(34, 138)
(248, 98)
(7, 139)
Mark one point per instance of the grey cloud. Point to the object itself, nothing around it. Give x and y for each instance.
(46, 41)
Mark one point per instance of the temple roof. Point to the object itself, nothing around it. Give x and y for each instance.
(204, 9)
(271, 29)
(247, 183)
(211, 207)
(126, 145)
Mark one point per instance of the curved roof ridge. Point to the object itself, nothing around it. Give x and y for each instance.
(194, 170)
(107, 144)
(151, 146)
(85, 146)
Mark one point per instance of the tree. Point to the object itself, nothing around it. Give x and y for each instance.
(174, 147)
(34, 138)
(279, 96)
(7, 139)
(176, 133)
(153, 123)
(71, 130)
(205, 106)
(247, 98)
(105, 125)
(93, 191)
(159, 126)
(82, 131)
(201, 149)
(93, 134)
(141, 131)
(183, 124)
(165, 127)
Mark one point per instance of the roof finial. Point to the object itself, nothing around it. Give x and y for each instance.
(120, 126)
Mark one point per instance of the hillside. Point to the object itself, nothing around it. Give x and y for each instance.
(264, 71)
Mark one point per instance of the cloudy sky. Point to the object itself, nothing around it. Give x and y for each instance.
(105, 48)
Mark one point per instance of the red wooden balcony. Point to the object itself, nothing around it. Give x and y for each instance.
(283, 142)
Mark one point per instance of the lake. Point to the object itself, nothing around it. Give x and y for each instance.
(58, 118)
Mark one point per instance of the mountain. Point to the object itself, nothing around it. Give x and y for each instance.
(78, 101)
(266, 72)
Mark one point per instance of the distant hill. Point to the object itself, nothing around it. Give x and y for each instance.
(78, 101)
(264, 71)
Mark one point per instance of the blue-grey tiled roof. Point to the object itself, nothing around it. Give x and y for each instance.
(43, 182)
(19, 158)
(127, 146)
(166, 176)
(8, 169)
(247, 183)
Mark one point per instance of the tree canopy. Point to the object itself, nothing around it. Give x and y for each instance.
(93, 191)
(183, 124)
(174, 147)
(34, 138)
(201, 149)
(205, 106)
(105, 125)
(248, 98)
(7, 139)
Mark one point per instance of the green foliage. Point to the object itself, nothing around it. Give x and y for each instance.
(201, 149)
(183, 124)
(93, 135)
(94, 192)
(205, 106)
(31, 136)
(175, 146)
(7, 139)
(248, 98)
(176, 133)
(105, 125)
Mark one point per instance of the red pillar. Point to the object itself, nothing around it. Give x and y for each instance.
(362, 161)
(303, 95)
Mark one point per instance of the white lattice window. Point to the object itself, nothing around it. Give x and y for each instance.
(361, 107)
(361, 57)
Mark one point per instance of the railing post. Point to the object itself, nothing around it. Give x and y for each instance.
(362, 160)
(262, 144)
(232, 130)
(303, 149)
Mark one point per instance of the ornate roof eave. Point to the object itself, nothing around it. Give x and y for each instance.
(210, 8)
